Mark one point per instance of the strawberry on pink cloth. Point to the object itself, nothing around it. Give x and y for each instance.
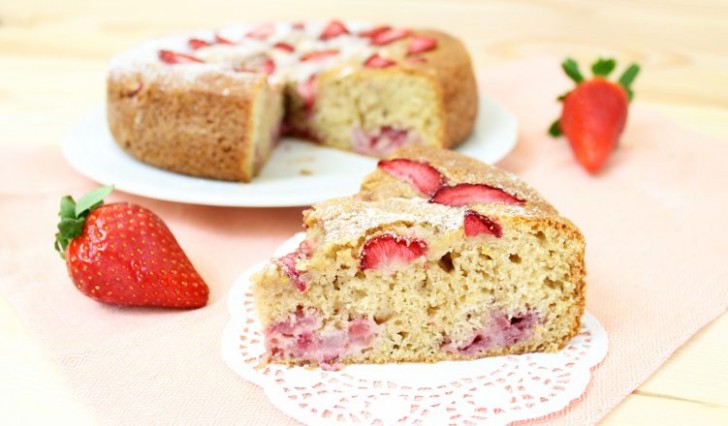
(654, 260)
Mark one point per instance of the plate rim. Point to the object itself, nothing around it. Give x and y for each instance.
(236, 196)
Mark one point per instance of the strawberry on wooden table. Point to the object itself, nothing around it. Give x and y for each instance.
(594, 113)
(123, 254)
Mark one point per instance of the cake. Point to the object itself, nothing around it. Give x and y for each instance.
(213, 104)
(438, 257)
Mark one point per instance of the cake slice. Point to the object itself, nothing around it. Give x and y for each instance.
(220, 125)
(439, 257)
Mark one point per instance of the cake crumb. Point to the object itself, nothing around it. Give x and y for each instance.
(305, 172)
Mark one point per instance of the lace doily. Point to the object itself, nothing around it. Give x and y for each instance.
(496, 390)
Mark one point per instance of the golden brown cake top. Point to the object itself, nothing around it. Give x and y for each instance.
(456, 169)
(348, 219)
(284, 51)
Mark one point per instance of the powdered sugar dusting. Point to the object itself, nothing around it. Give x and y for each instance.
(232, 49)
(348, 219)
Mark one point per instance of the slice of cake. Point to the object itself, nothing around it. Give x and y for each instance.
(439, 257)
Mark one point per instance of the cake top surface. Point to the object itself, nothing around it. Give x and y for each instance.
(347, 219)
(457, 169)
(282, 50)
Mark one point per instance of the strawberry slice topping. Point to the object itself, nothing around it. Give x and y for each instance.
(222, 40)
(335, 28)
(288, 263)
(298, 26)
(281, 45)
(389, 36)
(261, 32)
(268, 66)
(389, 252)
(374, 31)
(376, 61)
(196, 43)
(419, 174)
(421, 44)
(319, 55)
(470, 193)
(170, 57)
(476, 224)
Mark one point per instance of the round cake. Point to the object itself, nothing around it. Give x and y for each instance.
(213, 104)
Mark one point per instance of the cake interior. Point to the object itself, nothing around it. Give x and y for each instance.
(370, 112)
(450, 296)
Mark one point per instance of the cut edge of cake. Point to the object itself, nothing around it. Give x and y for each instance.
(393, 276)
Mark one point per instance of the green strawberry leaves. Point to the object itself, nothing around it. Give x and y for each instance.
(603, 67)
(571, 68)
(627, 77)
(555, 129)
(73, 216)
(92, 200)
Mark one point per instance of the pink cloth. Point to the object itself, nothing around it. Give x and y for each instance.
(651, 220)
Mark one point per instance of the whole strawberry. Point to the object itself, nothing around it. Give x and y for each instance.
(595, 112)
(123, 254)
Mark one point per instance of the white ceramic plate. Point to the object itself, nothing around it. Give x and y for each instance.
(285, 180)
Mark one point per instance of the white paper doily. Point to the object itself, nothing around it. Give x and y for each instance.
(493, 391)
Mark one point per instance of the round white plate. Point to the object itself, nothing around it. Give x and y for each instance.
(298, 173)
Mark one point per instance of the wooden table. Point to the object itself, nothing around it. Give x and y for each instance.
(53, 57)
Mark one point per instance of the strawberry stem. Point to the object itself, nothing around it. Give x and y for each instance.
(73, 216)
(603, 67)
(571, 68)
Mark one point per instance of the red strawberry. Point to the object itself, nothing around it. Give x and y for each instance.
(333, 29)
(376, 61)
(261, 32)
(169, 57)
(319, 55)
(419, 174)
(267, 66)
(421, 44)
(475, 223)
(123, 254)
(389, 252)
(464, 194)
(374, 31)
(389, 36)
(196, 43)
(222, 40)
(298, 26)
(595, 112)
(284, 46)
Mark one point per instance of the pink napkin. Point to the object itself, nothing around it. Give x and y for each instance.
(651, 222)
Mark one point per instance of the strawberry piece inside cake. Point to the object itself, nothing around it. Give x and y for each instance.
(401, 272)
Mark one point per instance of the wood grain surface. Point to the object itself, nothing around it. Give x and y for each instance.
(53, 58)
